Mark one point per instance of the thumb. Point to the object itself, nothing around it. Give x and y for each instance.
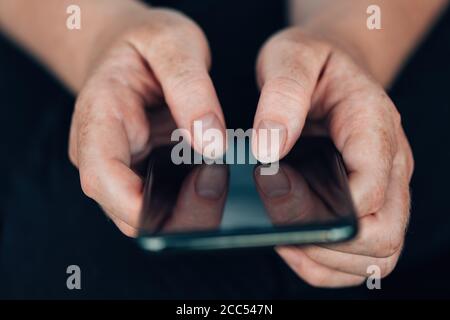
(288, 69)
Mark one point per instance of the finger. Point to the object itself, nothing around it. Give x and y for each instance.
(122, 84)
(105, 175)
(382, 234)
(288, 70)
(288, 198)
(104, 155)
(363, 123)
(181, 67)
(350, 263)
(201, 200)
(126, 229)
(366, 137)
(314, 273)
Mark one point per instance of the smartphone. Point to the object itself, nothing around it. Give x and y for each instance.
(306, 200)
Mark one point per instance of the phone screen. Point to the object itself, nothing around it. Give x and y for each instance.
(304, 198)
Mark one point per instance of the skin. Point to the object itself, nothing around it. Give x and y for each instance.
(364, 125)
(327, 67)
(330, 69)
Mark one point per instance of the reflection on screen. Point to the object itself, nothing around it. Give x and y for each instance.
(309, 188)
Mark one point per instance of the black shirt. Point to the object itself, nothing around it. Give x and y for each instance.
(48, 224)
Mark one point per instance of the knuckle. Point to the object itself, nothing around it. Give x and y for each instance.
(88, 183)
(173, 44)
(184, 84)
(389, 247)
(296, 49)
(287, 86)
(186, 78)
(395, 244)
(387, 265)
(377, 197)
(287, 93)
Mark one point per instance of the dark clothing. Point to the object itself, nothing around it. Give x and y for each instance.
(47, 223)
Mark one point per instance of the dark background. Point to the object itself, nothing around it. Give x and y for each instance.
(46, 223)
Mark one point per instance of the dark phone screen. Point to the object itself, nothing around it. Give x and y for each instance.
(309, 188)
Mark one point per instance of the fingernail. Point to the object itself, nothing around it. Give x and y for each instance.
(211, 181)
(273, 186)
(209, 136)
(271, 137)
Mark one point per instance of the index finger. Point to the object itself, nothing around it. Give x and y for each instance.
(181, 66)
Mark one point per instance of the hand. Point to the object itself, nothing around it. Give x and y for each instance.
(161, 58)
(300, 78)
